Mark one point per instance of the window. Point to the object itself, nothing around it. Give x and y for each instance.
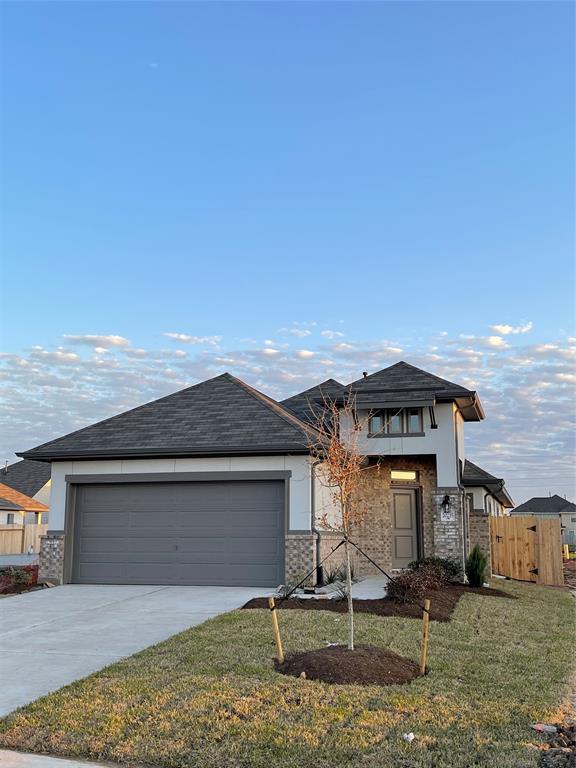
(397, 421)
(414, 419)
(404, 475)
(10, 519)
(573, 519)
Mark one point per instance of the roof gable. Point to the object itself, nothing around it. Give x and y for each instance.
(26, 476)
(216, 417)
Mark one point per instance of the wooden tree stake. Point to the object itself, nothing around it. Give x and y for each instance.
(277, 638)
(424, 644)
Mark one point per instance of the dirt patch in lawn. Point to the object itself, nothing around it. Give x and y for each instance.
(365, 665)
(570, 573)
(442, 603)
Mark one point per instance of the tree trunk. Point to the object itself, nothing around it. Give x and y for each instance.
(349, 595)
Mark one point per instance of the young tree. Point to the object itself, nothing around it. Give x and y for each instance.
(340, 469)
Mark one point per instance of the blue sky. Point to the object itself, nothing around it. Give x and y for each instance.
(398, 173)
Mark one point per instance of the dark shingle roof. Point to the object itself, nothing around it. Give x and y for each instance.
(307, 404)
(221, 416)
(404, 383)
(473, 475)
(545, 505)
(6, 504)
(403, 377)
(26, 476)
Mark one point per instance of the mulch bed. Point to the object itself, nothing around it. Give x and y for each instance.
(561, 751)
(442, 603)
(365, 665)
(570, 573)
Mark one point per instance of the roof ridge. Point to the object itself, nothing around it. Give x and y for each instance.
(413, 368)
(315, 386)
(270, 403)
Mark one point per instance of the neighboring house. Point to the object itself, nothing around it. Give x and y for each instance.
(487, 494)
(17, 508)
(552, 506)
(32, 478)
(216, 484)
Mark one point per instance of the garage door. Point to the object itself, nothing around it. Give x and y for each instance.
(221, 533)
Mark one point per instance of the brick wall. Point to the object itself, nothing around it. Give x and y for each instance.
(300, 555)
(448, 533)
(479, 527)
(374, 533)
(51, 559)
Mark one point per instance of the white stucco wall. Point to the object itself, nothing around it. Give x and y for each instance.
(325, 504)
(299, 491)
(440, 442)
(489, 503)
(43, 495)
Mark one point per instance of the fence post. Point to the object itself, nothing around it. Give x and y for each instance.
(425, 629)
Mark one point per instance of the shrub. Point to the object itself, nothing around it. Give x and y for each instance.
(15, 578)
(414, 584)
(475, 567)
(451, 568)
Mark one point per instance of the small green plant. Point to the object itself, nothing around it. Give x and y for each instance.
(476, 566)
(285, 589)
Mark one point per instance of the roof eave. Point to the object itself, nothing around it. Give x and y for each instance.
(157, 453)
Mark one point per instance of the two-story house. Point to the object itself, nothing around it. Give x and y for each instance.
(218, 484)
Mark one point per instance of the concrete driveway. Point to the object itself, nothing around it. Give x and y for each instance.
(52, 637)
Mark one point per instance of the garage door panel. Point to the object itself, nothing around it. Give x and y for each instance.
(226, 533)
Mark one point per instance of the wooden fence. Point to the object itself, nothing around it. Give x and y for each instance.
(16, 540)
(527, 548)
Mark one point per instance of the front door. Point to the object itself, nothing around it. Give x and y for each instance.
(404, 527)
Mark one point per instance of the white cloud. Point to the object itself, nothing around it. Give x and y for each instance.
(185, 339)
(98, 341)
(527, 389)
(496, 341)
(331, 334)
(506, 330)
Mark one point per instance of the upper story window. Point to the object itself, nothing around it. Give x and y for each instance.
(397, 421)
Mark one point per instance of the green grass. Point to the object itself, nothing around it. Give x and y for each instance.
(210, 697)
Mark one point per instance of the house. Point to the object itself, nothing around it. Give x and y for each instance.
(552, 506)
(17, 508)
(217, 484)
(32, 478)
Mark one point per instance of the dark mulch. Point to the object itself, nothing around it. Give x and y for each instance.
(442, 603)
(365, 665)
(561, 752)
(570, 573)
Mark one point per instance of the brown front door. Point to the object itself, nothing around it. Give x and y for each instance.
(404, 527)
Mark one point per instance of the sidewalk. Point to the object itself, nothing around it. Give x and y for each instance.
(9, 759)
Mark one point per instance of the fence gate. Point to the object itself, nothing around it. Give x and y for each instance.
(527, 548)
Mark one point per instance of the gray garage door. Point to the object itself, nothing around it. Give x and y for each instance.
(225, 533)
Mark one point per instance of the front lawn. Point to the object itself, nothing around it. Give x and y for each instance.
(210, 698)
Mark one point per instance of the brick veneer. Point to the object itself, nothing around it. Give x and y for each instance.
(374, 533)
(51, 559)
(479, 532)
(300, 555)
